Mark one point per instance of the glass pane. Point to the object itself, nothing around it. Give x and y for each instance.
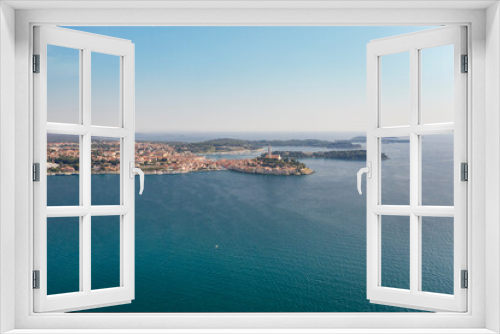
(395, 89)
(437, 254)
(105, 171)
(63, 166)
(105, 90)
(63, 85)
(395, 168)
(395, 251)
(105, 252)
(63, 255)
(437, 84)
(437, 170)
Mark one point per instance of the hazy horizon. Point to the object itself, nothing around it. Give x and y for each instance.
(198, 136)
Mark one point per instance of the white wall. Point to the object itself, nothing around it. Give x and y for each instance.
(492, 165)
(284, 17)
(7, 158)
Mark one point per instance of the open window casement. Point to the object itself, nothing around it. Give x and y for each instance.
(86, 215)
(414, 45)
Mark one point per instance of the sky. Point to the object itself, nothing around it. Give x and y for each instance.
(248, 79)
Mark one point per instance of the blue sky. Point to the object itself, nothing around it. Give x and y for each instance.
(239, 78)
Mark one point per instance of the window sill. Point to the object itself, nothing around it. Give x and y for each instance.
(252, 331)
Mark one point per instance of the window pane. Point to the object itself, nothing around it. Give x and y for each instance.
(105, 171)
(105, 252)
(437, 84)
(395, 89)
(63, 85)
(395, 167)
(395, 251)
(63, 167)
(437, 169)
(63, 255)
(437, 254)
(105, 90)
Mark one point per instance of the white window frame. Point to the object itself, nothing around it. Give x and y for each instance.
(484, 48)
(413, 44)
(86, 44)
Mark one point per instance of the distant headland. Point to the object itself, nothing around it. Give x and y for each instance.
(227, 145)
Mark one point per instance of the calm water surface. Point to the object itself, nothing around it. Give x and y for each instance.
(230, 242)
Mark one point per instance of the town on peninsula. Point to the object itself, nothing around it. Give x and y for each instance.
(178, 157)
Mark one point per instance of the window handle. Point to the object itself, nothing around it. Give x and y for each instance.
(368, 171)
(135, 170)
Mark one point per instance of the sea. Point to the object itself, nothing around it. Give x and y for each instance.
(223, 241)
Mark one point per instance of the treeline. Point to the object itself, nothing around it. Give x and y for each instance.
(341, 155)
(338, 144)
(69, 161)
(385, 140)
(286, 162)
(215, 145)
(230, 144)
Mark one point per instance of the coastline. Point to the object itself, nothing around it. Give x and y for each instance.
(257, 171)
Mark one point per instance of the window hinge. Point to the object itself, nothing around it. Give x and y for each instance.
(36, 172)
(464, 171)
(465, 64)
(36, 279)
(465, 279)
(36, 63)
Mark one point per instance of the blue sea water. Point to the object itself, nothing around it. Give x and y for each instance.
(230, 242)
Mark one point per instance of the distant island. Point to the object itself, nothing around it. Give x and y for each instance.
(340, 155)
